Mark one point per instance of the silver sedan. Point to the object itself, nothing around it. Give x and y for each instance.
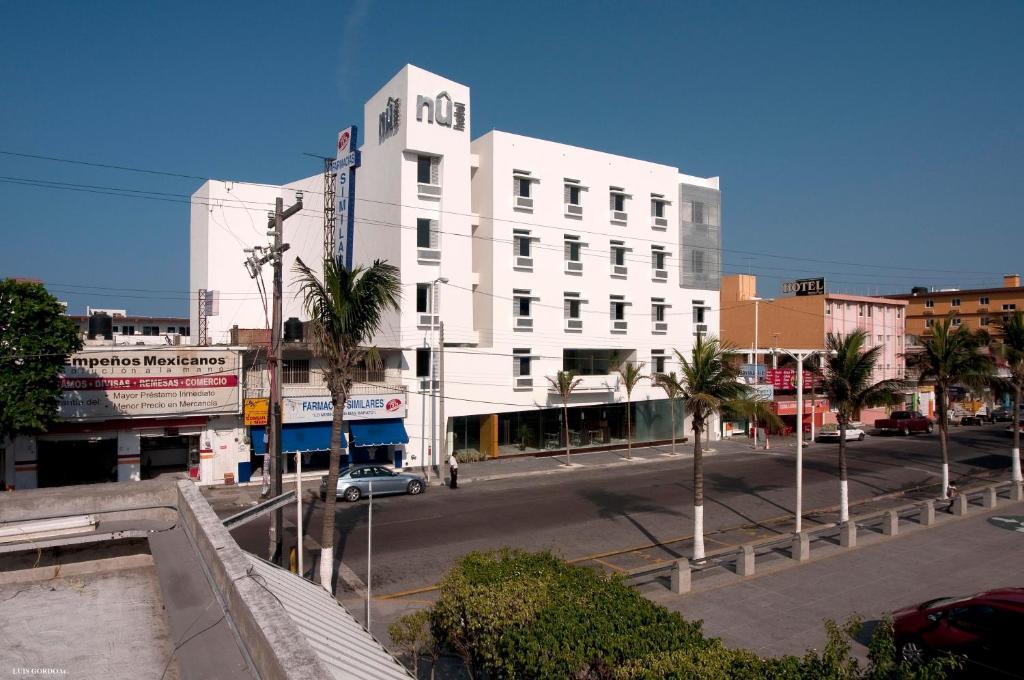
(354, 482)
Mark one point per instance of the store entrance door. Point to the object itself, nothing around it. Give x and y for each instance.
(164, 455)
(79, 461)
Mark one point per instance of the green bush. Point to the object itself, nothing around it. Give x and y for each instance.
(512, 614)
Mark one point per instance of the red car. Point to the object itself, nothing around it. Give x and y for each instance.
(983, 629)
(904, 422)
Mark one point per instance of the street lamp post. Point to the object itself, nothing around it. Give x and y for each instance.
(754, 357)
(435, 306)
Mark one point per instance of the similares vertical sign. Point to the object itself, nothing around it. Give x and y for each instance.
(345, 164)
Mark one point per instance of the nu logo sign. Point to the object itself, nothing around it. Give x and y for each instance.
(389, 119)
(442, 111)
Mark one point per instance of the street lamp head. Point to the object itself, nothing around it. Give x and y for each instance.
(441, 279)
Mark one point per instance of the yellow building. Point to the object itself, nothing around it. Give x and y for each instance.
(977, 308)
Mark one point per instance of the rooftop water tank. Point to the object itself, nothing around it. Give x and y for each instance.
(293, 330)
(102, 325)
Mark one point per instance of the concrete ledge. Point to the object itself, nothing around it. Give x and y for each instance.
(891, 523)
(848, 534)
(988, 497)
(278, 650)
(801, 550)
(927, 515)
(960, 505)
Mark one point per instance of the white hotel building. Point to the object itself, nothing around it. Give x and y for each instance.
(536, 256)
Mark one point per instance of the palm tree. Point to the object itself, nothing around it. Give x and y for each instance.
(670, 383)
(345, 309)
(948, 358)
(847, 383)
(1012, 349)
(710, 384)
(565, 382)
(631, 376)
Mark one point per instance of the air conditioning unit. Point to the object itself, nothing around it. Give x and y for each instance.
(574, 210)
(661, 275)
(620, 326)
(428, 190)
(524, 262)
(660, 222)
(524, 202)
(428, 255)
(524, 322)
(522, 383)
(574, 324)
(619, 270)
(573, 266)
(661, 326)
(618, 216)
(428, 320)
(702, 328)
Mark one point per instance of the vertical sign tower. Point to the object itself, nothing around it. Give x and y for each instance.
(345, 164)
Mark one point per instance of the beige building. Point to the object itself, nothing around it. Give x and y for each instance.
(975, 309)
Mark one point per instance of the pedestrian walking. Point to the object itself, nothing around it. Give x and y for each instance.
(453, 471)
(951, 493)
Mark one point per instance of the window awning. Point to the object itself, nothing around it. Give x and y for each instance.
(296, 438)
(385, 432)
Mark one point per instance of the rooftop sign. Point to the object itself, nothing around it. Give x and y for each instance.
(805, 286)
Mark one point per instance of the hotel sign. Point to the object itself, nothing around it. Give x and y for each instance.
(361, 407)
(805, 286)
(442, 110)
(390, 119)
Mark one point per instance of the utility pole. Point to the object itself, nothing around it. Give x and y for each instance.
(443, 451)
(258, 257)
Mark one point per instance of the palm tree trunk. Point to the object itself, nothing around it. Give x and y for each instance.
(629, 431)
(565, 417)
(1015, 473)
(698, 493)
(327, 539)
(672, 410)
(940, 392)
(844, 496)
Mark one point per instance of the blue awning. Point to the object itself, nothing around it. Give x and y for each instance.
(388, 431)
(296, 438)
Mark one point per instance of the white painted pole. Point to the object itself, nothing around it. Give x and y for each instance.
(369, 555)
(754, 354)
(799, 440)
(433, 395)
(298, 506)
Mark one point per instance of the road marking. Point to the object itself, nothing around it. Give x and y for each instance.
(610, 566)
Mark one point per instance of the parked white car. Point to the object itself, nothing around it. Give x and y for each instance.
(830, 433)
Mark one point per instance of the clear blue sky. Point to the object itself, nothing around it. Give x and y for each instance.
(883, 134)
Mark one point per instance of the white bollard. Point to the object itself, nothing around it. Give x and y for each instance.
(891, 524)
(801, 551)
(848, 534)
(745, 561)
(927, 517)
(680, 581)
(988, 497)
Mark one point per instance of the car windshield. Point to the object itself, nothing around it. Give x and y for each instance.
(946, 601)
(344, 471)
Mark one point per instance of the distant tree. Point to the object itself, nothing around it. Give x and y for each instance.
(1012, 350)
(565, 382)
(631, 374)
(847, 383)
(669, 382)
(948, 358)
(36, 339)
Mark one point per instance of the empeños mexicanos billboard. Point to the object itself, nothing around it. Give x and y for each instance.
(149, 381)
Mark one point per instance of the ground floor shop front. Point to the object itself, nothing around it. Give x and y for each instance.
(542, 430)
(206, 448)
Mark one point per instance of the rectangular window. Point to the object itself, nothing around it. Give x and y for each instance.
(870, 310)
(956, 321)
(116, 329)
(151, 330)
(422, 298)
(522, 187)
(929, 323)
(424, 165)
(572, 194)
(619, 202)
(698, 262)
(860, 310)
(127, 330)
(929, 303)
(295, 371)
(955, 302)
(657, 208)
(983, 300)
(658, 311)
(985, 320)
(572, 308)
(1010, 307)
(658, 257)
(658, 361)
(522, 243)
(698, 212)
(828, 308)
(422, 232)
(618, 309)
(422, 362)
(521, 362)
(170, 329)
(698, 311)
(618, 255)
(899, 312)
(521, 303)
(572, 251)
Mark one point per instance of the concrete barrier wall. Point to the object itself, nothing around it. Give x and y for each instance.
(106, 500)
(277, 648)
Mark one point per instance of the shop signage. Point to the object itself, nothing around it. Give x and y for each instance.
(788, 407)
(144, 382)
(389, 120)
(348, 159)
(361, 407)
(785, 379)
(753, 371)
(256, 411)
(805, 286)
(442, 110)
(762, 392)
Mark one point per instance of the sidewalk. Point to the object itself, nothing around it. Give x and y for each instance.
(500, 468)
(783, 612)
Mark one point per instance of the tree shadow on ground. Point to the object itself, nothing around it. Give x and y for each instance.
(611, 505)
